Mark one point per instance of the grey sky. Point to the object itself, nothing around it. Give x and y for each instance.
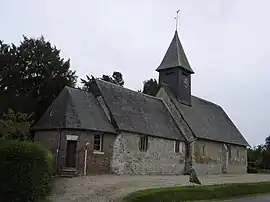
(226, 41)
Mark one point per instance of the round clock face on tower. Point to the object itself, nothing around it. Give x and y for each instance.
(185, 81)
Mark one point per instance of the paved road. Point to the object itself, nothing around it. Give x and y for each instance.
(111, 188)
(264, 198)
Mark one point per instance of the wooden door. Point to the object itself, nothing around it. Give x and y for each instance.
(71, 153)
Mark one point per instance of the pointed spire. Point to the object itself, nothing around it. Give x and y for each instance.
(175, 56)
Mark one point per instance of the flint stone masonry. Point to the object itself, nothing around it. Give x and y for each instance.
(158, 159)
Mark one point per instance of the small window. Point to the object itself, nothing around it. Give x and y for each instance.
(179, 147)
(237, 153)
(143, 143)
(230, 151)
(203, 151)
(98, 140)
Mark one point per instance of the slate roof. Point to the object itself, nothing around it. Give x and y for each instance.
(209, 121)
(175, 56)
(75, 109)
(136, 112)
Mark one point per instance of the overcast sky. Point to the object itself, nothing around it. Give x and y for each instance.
(227, 43)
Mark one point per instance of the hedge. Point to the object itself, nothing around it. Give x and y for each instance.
(25, 171)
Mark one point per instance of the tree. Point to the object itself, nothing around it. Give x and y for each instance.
(33, 75)
(255, 156)
(116, 78)
(151, 87)
(15, 126)
(7, 69)
(259, 156)
(87, 83)
(267, 142)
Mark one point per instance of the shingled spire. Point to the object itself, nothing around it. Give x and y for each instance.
(175, 56)
(175, 71)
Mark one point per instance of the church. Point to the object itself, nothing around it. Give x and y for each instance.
(112, 129)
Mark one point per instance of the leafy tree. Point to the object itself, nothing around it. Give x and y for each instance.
(7, 69)
(15, 126)
(255, 156)
(267, 142)
(151, 87)
(116, 78)
(33, 75)
(259, 156)
(87, 83)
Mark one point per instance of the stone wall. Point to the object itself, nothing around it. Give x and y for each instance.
(97, 162)
(211, 161)
(158, 159)
(238, 164)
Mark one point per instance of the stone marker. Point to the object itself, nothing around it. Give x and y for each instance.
(193, 178)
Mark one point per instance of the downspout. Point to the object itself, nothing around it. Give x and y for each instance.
(85, 159)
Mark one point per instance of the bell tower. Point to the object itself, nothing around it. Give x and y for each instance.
(176, 72)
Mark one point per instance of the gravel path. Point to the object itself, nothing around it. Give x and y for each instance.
(105, 188)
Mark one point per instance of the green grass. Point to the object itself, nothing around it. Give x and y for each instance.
(190, 193)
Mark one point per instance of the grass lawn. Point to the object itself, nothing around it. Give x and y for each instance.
(190, 193)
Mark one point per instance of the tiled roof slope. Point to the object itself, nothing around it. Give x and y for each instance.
(209, 121)
(75, 109)
(137, 112)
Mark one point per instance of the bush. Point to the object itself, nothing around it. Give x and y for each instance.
(25, 171)
(190, 193)
(264, 171)
(252, 170)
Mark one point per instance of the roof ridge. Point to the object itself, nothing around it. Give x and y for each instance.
(141, 93)
(166, 87)
(207, 101)
(74, 88)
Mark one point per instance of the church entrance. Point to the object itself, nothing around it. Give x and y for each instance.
(224, 159)
(71, 153)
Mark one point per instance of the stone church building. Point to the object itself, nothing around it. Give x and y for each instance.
(111, 129)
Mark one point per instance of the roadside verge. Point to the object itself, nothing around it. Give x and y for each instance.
(195, 193)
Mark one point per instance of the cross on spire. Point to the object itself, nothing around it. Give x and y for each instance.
(176, 19)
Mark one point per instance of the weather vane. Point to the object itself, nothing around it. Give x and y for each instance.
(176, 18)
